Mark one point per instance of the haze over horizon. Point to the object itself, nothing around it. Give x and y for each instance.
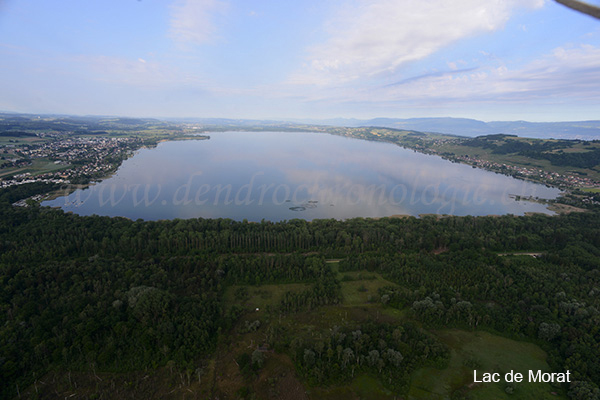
(531, 60)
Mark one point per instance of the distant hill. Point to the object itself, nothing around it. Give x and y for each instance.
(226, 122)
(588, 130)
(89, 124)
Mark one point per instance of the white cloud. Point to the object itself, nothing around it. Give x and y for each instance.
(378, 36)
(192, 21)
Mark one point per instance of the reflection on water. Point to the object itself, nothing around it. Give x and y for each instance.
(280, 175)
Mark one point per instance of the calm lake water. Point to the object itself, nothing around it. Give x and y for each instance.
(280, 176)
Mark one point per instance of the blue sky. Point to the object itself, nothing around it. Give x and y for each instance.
(486, 59)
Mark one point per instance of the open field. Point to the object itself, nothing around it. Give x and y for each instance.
(39, 166)
(485, 353)
(20, 140)
(362, 288)
(364, 386)
(561, 208)
(259, 296)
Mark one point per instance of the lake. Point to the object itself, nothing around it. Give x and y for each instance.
(281, 176)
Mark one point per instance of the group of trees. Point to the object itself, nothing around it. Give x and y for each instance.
(20, 192)
(391, 352)
(16, 134)
(324, 292)
(69, 235)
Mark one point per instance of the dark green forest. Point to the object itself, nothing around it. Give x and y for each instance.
(111, 294)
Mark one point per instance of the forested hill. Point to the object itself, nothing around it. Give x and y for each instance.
(110, 294)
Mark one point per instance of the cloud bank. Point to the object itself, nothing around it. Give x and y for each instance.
(378, 36)
(564, 73)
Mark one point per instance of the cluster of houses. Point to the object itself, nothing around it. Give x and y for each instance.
(548, 177)
(22, 179)
(84, 156)
(75, 148)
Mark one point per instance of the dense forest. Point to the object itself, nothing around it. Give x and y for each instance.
(111, 294)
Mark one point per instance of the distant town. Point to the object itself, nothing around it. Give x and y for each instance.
(67, 159)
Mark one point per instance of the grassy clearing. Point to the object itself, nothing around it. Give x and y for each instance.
(19, 140)
(369, 387)
(396, 314)
(326, 317)
(360, 303)
(260, 296)
(39, 166)
(360, 287)
(560, 208)
(43, 165)
(485, 353)
(364, 387)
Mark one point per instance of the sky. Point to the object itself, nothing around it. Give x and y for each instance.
(491, 60)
